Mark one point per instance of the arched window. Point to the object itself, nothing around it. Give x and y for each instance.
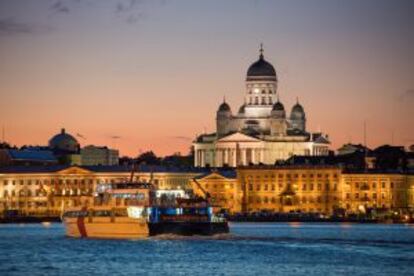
(256, 100)
(263, 92)
(270, 100)
(263, 100)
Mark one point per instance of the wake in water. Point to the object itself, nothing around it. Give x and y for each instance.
(306, 240)
(194, 237)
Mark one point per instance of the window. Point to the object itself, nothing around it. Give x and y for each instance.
(304, 187)
(270, 100)
(256, 100)
(263, 100)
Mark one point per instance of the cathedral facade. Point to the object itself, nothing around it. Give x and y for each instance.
(261, 132)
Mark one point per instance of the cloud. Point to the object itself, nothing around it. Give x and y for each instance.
(184, 138)
(407, 95)
(130, 10)
(60, 7)
(9, 26)
(126, 6)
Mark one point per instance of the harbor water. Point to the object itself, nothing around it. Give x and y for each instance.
(250, 249)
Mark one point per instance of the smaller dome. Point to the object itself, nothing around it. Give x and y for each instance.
(242, 109)
(64, 142)
(224, 107)
(297, 108)
(278, 106)
(297, 111)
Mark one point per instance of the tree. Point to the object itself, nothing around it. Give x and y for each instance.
(148, 158)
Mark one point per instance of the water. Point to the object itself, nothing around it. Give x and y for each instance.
(251, 249)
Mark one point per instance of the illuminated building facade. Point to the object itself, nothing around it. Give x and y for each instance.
(223, 188)
(42, 191)
(260, 132)
(323, 189)
(290, 188)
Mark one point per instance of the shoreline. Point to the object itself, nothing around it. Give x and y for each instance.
(33, 220)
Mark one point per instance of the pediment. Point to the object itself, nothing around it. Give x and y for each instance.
(214, 176)
(74, 170)
(238, 137)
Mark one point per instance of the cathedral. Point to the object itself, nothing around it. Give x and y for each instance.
(261, 132)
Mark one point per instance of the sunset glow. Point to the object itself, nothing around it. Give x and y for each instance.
(153, 73)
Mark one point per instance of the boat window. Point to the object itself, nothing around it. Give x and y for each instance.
(102, 213)
(120, 212)
(75, 214)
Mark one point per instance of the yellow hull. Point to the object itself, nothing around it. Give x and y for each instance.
(106, 228)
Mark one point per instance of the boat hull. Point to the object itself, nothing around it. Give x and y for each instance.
(128, 228)
(104, 228)
(188, 228)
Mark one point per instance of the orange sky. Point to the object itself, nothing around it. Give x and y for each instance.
(154, 73)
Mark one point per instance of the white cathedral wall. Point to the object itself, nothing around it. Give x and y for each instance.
(275, 151)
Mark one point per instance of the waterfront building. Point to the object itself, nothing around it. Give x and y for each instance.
(261, 132)
(380, 191)
(290, 188)
(223, 189)
(26, 157)
(92, 156)
(325, 189)
(46, 190)
(352, 148)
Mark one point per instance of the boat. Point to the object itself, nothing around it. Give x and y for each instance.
(133, 210)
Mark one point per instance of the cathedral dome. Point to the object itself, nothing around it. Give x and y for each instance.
(298, 108)
(242, 109)
(261, 69)
(278, 106)
(64, 142)
(297, 111)
(224, 107)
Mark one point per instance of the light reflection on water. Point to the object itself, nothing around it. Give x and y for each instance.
(250, 249)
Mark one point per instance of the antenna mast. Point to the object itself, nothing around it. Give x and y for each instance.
(365, 146)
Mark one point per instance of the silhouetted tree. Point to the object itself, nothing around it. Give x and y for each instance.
(148, 158)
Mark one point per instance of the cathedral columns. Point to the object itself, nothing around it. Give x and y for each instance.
(196, 158)
(202, 157)
(253, 156)
(226, 156)
(244, 157)
(261, 155)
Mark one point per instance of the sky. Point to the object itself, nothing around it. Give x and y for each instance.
(150, 75)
